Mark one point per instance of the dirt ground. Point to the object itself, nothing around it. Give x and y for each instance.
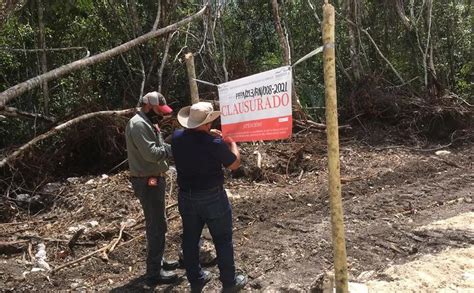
(408, 219)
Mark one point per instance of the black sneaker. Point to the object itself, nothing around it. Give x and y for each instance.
(170, 265)
(240, 282)
(197, 288)
(165, 277)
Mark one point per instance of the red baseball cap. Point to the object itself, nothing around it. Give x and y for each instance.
(156, 99)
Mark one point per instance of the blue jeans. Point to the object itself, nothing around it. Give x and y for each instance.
(152, 199)
(211, 207)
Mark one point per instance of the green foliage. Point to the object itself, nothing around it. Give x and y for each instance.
(465, 80)
(243, 32)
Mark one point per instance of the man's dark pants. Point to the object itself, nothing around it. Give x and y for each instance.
(210, 207)
(152, 199)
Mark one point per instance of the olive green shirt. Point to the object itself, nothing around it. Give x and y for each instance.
(146, 150)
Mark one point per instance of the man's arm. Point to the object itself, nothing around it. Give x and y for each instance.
(145, 141)
(232, 147)
(235, 150)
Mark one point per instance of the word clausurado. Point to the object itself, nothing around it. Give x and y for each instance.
(257, 107)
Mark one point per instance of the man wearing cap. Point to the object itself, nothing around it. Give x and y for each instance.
(147, 154)
(199, 153)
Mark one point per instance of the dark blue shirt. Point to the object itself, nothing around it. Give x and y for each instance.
(199, 158)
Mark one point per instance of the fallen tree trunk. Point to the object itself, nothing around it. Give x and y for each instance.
(59, 128)
(21, 88)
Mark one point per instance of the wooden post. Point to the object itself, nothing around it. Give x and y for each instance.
(337, 220)
(191, 76)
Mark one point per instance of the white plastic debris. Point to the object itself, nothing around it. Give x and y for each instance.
(90, 181)
(74, 229)
(129, 223)
(231, 195)
(34, 270)
(52, 187)
(442, 153)
(93, 223)
(468, 276)
(104, 176)
(74, 285)
(40, 259)
(357, 288)
(24, 274)
(23, 197)
(72, 179)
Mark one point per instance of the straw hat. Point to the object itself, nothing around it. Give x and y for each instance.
(196, 115)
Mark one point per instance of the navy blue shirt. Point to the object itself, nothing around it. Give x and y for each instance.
(199, 158)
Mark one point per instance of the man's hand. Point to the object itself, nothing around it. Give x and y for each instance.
(215, 132)
(229, 141)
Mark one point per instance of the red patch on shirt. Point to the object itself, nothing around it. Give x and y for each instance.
(152, 181)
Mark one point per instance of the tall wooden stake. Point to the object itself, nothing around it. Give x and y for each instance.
(337, 220)
(191, 76)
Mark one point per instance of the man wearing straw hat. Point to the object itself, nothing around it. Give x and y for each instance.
(147, 154)
(199, 153)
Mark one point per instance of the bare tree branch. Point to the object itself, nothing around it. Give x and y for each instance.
(7, 7)
(377, 49)
(45, 49)
(136, 29)
(224, 67)
(158, 13)
(281, 36)
(14, 112)
(21, 88)
(187, 33)
(401, 13)
(285, 47)
(43, 58)
(383, 57)
(164, 60)
(314, 12)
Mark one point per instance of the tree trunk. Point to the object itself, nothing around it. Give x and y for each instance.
(7, 7)
(286, 53)
(400, 8)
(43, 59)
(352, 12)
(158, 14)
(23, 87)
(164, 60)
(432, 81)
(136, 28)
(193, 88)
(281, 36)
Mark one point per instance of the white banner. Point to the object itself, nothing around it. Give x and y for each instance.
(257, 107)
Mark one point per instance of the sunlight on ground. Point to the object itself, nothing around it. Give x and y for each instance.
(449, 271)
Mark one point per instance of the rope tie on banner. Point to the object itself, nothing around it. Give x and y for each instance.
(205, 82)
(309, 55)
(329, 45)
